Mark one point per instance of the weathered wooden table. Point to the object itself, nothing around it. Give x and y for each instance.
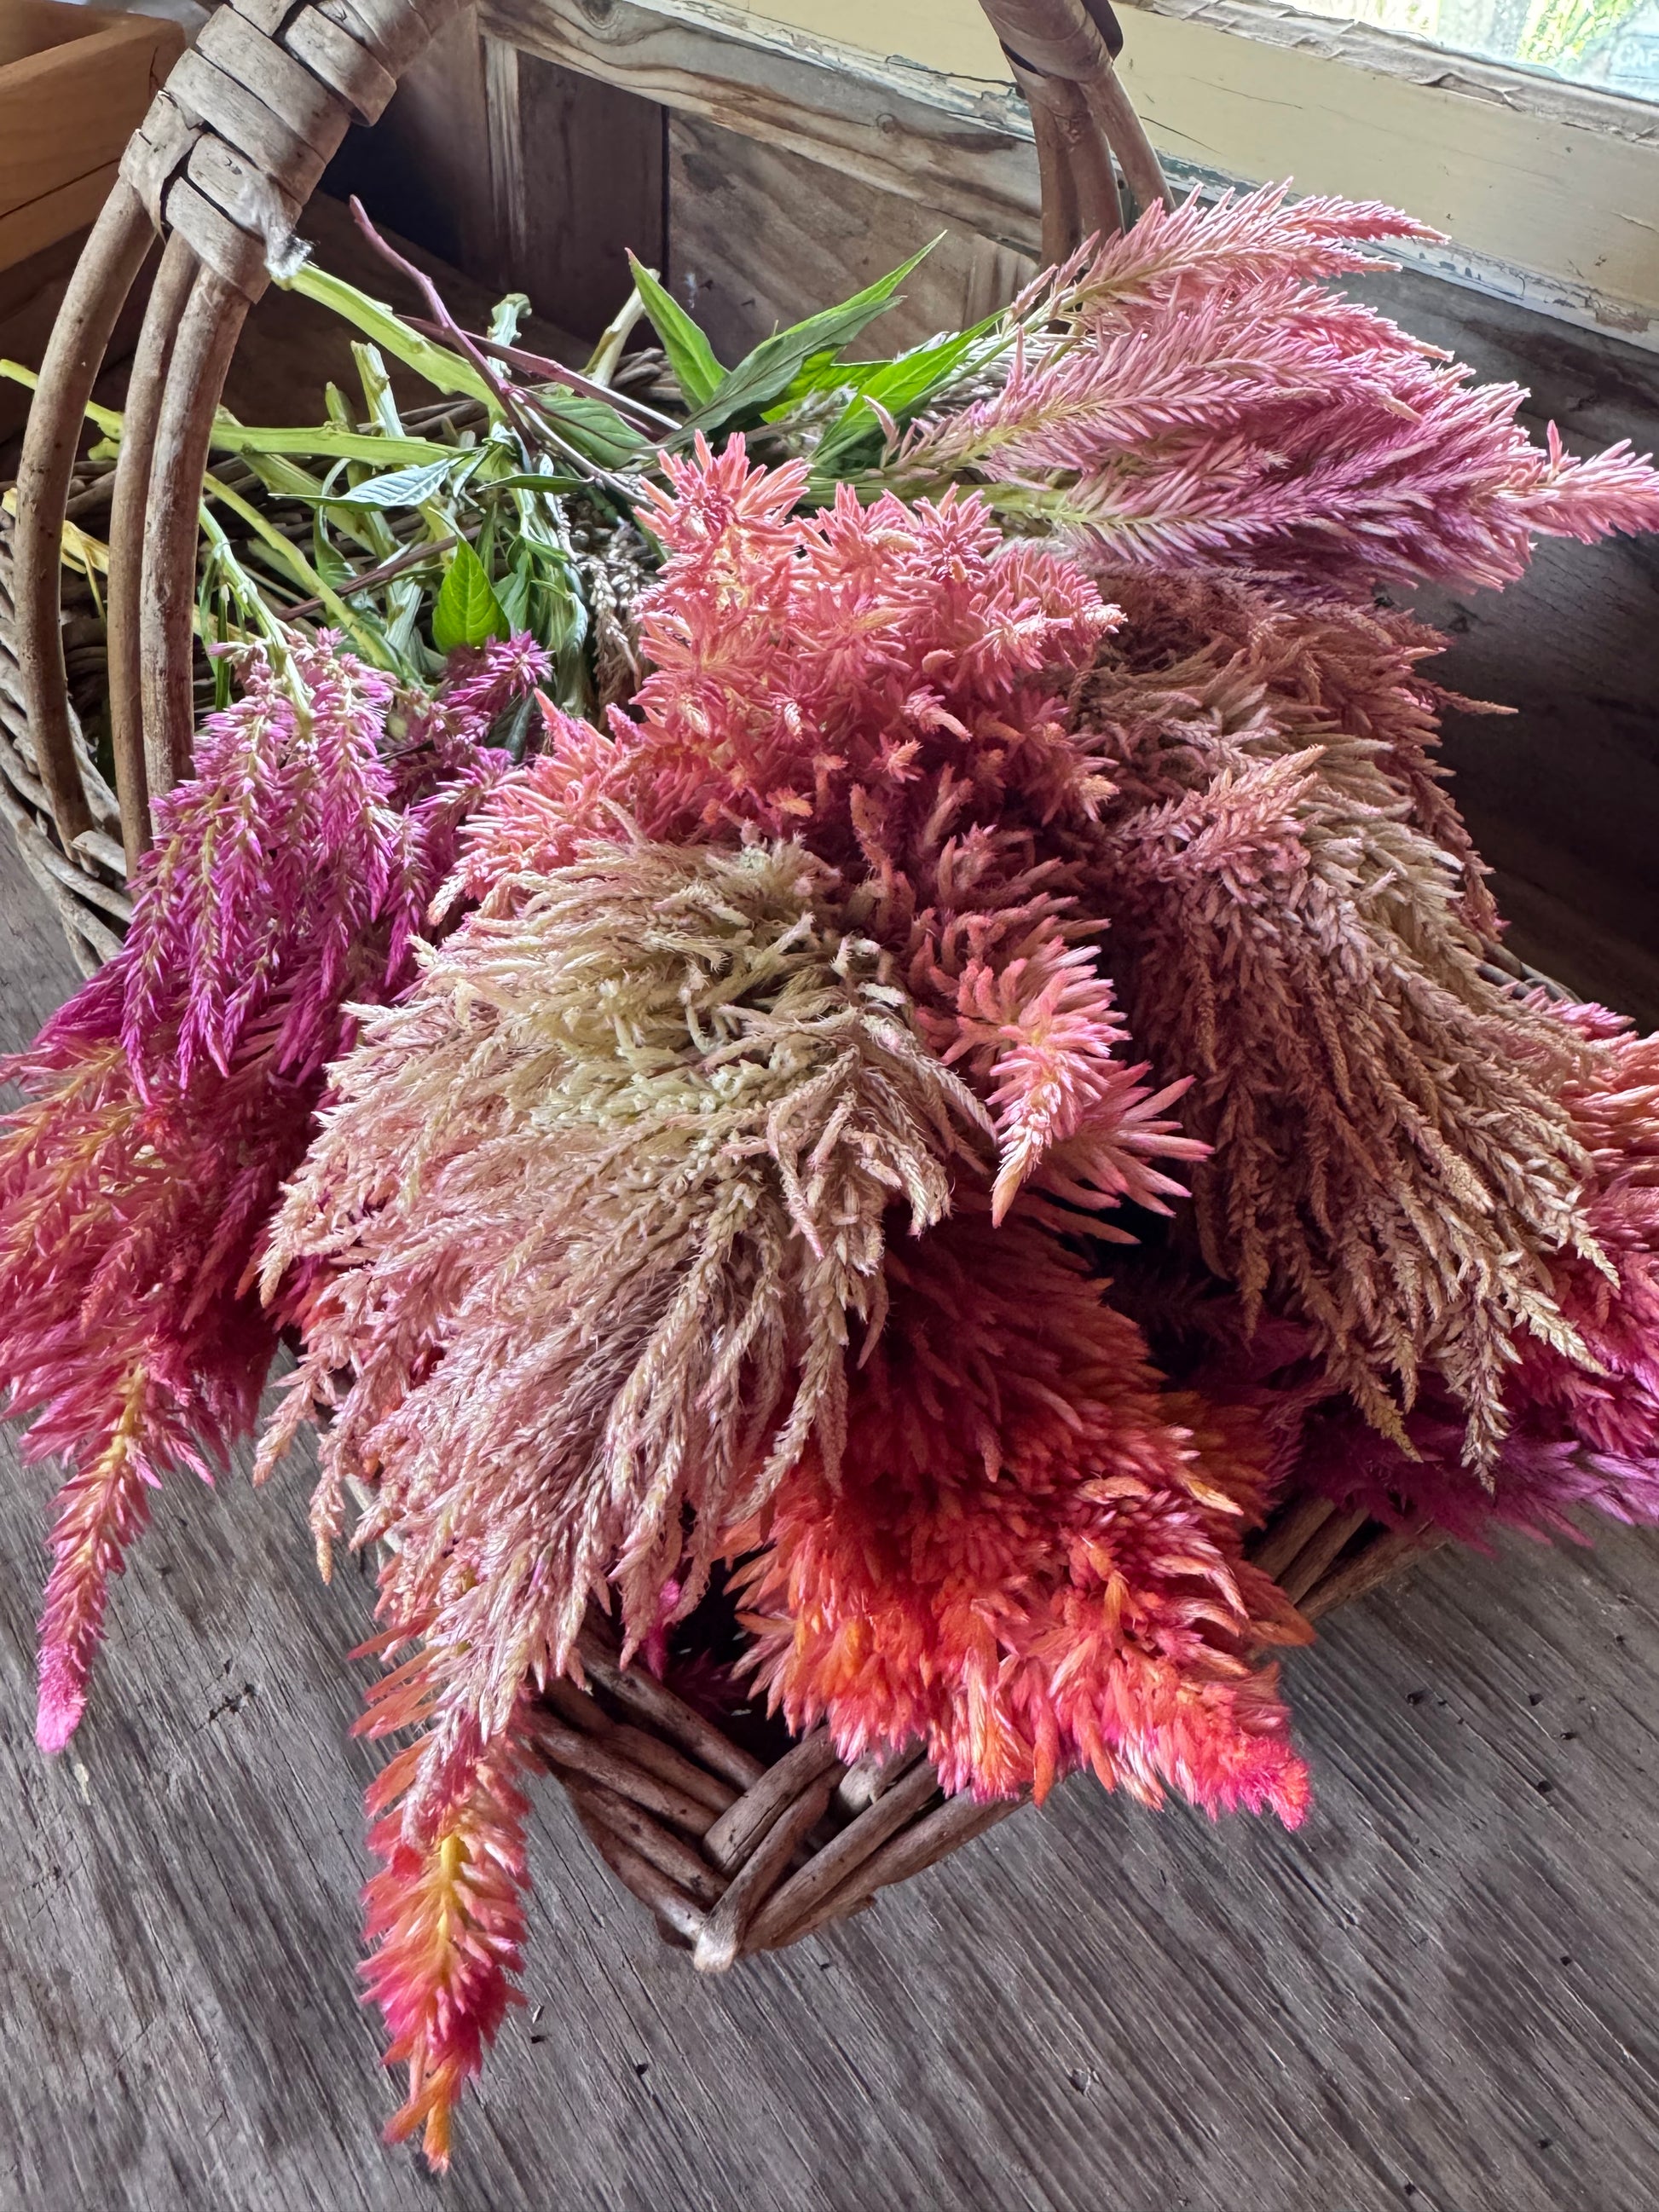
(1440, 1994)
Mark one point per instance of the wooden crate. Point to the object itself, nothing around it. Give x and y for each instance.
(74, 83)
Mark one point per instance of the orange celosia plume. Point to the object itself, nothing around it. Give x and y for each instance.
(1031, 1559)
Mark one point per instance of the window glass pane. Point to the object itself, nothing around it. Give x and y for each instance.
(1610, 43)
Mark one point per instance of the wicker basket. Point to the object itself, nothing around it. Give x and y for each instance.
(732, 1852)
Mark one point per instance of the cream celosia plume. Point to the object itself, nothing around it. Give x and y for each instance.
(594, 1213)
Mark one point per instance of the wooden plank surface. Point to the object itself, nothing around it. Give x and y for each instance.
(963, 147)
(754, 230)
(73, 83)
(1440, 1994)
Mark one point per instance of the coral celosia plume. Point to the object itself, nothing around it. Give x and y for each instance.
(444, 1917)
(1028, 1557)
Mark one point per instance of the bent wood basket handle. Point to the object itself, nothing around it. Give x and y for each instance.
(223, 166)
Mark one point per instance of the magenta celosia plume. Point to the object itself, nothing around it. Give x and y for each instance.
(170, 1097)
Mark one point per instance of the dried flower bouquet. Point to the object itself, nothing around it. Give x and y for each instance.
(978, 1077)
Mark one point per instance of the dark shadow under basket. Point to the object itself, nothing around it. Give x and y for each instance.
(731, 1853)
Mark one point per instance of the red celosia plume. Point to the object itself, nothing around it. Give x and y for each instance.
(167, 1101)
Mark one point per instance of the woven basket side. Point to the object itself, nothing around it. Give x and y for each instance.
(731, 1856)
(222, 164)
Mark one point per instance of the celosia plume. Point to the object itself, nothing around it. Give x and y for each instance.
(444, 1917)
(1612, 1409)
(1393, 1161)
(597, 1209)
(1189, 395)
(1028, 1557)
(168, 1100)
(126, 1225)
(888, 684)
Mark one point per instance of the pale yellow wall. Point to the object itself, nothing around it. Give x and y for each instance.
(946, 35)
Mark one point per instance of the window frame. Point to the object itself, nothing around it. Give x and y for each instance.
(1535, 180)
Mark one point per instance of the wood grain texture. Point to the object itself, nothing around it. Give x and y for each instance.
(1440, 1994)
(424, 169)
(576, 169)
(759, 237)
(73, 84)
(1563, 797)
(965, 149)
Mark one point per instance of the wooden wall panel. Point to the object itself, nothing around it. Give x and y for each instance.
(758, 238)
(1563, 796)
(579, 183)
(519, 173)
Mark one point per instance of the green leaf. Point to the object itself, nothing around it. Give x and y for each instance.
(555, 485)
(823, 372)
(283, 477)
(285, 556)
(690, 354)
(411, 487)
(444, 370)
(326, 557)
(468, 611)
(903, 387)
(378, 397)
(761, 376)
(591, 428)
(514, 594)
(327, 441)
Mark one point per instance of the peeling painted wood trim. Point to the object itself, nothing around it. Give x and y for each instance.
(1522, 90)
(1473, 144)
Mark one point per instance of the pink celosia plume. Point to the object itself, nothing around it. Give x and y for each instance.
(167, 1100)
(1191, 395)
(1611, 1407)
(889, 684)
